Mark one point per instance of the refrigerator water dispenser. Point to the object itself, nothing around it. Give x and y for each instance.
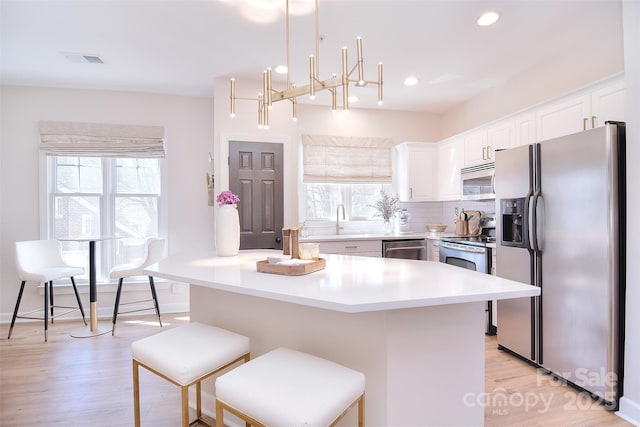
(514, 223)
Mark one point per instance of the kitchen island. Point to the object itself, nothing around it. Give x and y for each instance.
(414, 328)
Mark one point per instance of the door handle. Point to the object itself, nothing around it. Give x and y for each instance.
(278, 239)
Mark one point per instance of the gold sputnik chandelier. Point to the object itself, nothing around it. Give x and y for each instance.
(270, 95)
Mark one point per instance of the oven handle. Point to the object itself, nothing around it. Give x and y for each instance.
(463, 248)
(402, 248)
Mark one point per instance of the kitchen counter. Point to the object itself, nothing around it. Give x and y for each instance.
(371, 236)
(414, 328)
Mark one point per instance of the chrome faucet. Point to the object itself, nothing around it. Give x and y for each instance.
(338, 217)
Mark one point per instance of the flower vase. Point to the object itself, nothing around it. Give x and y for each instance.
(227, 231)
(388, 227)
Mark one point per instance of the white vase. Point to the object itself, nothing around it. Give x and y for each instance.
(227, 231)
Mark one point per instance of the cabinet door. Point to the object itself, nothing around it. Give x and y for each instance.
(607, 104)
(450, 153)
(563, 118)
(525, 125)
(416, 171)
(500, 136)
(475, 148)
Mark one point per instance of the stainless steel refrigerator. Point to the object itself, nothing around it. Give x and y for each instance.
(561, 226)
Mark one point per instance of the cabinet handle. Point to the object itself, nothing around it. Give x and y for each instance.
(584, 123)
(484, 150)
(489, 149)
(350, 247)
(593, 122)
(411, 192)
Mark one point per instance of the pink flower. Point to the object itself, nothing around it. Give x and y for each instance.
(227, 198)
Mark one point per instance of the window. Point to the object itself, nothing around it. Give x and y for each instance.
(344, 170)
(322, 200)
(95, 196)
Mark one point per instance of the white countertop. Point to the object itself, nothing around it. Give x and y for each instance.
(348, 283)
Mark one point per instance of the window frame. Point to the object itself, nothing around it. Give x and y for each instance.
(108, 198)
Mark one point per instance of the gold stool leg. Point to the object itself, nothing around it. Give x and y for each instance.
(361, 411)
(185, 406)
(136, 395)
(198, 401)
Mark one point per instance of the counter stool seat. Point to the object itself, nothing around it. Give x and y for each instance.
(185, 356)
(289, 388)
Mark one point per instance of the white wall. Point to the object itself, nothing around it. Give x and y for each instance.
(398, 125)
(630, 403)
(188, 126)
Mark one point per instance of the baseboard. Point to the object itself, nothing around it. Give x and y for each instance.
(107, 312)
(629, 410)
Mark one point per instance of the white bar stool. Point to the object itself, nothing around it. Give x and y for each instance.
(288, 388)
(185, 356)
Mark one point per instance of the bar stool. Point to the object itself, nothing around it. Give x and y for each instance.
(41, 261)
(288, 388)
(155, 250)
(185, 356)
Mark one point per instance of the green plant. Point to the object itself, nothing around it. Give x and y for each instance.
(386, 207)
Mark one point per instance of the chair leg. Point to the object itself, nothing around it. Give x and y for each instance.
(116, 305)
(75, 289)
(136, 394)
(219, 414)
(51, 298)
(15, 311)
(185, 406)
(152, 285)
(46, 312)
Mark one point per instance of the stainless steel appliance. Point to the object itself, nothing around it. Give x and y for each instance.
(405, 249)
(561, 226)
(477, 182)
(473, 253)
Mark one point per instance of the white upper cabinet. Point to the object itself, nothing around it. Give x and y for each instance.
(500, 136)
(525, 126)
(415, 171)
(475, 148)
(449, 162)
(585, 110)
(607, 104)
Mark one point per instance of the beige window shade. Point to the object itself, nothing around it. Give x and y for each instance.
(102, 140)
(346, 159)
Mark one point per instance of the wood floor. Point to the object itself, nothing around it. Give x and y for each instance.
(87, 382)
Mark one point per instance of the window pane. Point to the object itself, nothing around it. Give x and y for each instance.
(137, 176)
(137, 216)
(78, 175)
(80, 216)
(322, 200)
(363, 196)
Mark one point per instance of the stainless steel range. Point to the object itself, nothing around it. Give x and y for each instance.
(473, 253)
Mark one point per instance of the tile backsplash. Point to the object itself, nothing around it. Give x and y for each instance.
(423, 213)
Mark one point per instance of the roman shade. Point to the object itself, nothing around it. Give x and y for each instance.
(101, 139)
(329, 158)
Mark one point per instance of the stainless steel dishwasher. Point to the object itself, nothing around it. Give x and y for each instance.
(405, 249)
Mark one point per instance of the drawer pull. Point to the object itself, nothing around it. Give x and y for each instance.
(351, 247)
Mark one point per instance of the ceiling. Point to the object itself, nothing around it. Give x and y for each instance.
(180, 47)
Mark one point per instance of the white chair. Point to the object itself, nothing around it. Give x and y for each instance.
(155, 251)
(185, 356)
(41, 261)
(289, 388)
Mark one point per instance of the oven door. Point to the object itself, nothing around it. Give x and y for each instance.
(477, 258)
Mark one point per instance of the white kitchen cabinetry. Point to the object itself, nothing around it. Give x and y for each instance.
(583, 111)
(370, 248)
(500, 136)
(433, 249)
(607, 104)
(475, 148)
(525, 128)
(449, 162)
(415, 171)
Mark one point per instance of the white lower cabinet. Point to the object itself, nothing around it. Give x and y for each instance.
(433, 250)
(370, 248)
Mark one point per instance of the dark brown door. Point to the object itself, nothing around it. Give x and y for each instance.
(255, 175)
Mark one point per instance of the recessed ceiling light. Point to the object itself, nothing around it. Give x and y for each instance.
(353, 98)
(281, 69)
(488, 18)
(410, 81)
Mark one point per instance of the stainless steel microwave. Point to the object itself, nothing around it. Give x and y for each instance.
(478, 182)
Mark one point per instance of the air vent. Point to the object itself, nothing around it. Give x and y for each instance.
(82, 58)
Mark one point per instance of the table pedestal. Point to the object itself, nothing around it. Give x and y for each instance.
(95, 328)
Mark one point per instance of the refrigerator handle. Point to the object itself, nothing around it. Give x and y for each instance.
(534, 222)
